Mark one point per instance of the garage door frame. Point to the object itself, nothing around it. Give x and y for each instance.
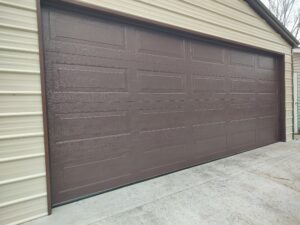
(87, 8)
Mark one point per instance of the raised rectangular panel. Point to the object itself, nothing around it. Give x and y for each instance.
(152, 42)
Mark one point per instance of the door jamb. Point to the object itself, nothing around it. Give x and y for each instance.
(44, 104)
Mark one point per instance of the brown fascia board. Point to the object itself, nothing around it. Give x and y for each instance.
(266, 14)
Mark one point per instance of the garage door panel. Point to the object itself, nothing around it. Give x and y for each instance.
(126, 102)
(205, 148)
(208, 131)
(151, 63)
(267, 110)
(156, 139)
(88, 97)
(243, 85)
(72, 152)
(161, 101)
(161, 120)
(267, 99)
(91, 79)
(208, 70)
(161, 158)
(75, 48)
(242, 99)
(266, 62)
(208, 101)
(204, 84)
(67, 25)
(89, 173)
(266, 75)
(241, 59)
(241, 140)
(267, 86)
(208, 116)
(239, 112)
(161, 82)
(156, 43)
(236, 126)
(84, 126)
(207, 52)
(82, 60)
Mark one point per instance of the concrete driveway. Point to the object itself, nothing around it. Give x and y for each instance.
(257, 187)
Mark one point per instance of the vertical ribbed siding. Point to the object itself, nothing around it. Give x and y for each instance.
(227, 19)
(296, 63)
(22, 163)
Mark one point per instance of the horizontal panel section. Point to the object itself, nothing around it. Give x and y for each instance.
(12, 38)
(21, 146)
(84, 174)
(161, 159)
(28, 4)
(10, 103)
(19, 60)
(18, 17)
(151, 140)
(91, 149)
(62, 27)
(23, 211)
(87, 126)
(152, 42)
(23, 167)
(20, 125)
(207, 52)
(19, 82)
(91, 79)
(153, 121)
(12, 192)
(159, 82)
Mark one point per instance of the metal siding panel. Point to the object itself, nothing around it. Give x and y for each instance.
(22, 162)
(18, 82)
(20, 102)
(21, 168)
(21, 146)
(23, 211)
(19, 190)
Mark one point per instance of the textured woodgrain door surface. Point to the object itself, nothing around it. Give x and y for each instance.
(126, 102)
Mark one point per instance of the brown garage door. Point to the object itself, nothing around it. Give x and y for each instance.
(126, 103)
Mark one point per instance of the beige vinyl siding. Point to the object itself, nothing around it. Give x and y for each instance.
(22, 155)
(296, 63)
(233, 20)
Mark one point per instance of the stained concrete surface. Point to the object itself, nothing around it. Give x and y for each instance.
(259, 187)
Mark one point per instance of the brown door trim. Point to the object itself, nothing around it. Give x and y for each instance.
(44, 104)
(144, 22)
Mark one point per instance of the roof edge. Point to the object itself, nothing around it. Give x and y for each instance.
(296, 50)
(266, 14)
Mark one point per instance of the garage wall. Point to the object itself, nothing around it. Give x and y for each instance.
(296, 63)
(227, 19)
(22, 163)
